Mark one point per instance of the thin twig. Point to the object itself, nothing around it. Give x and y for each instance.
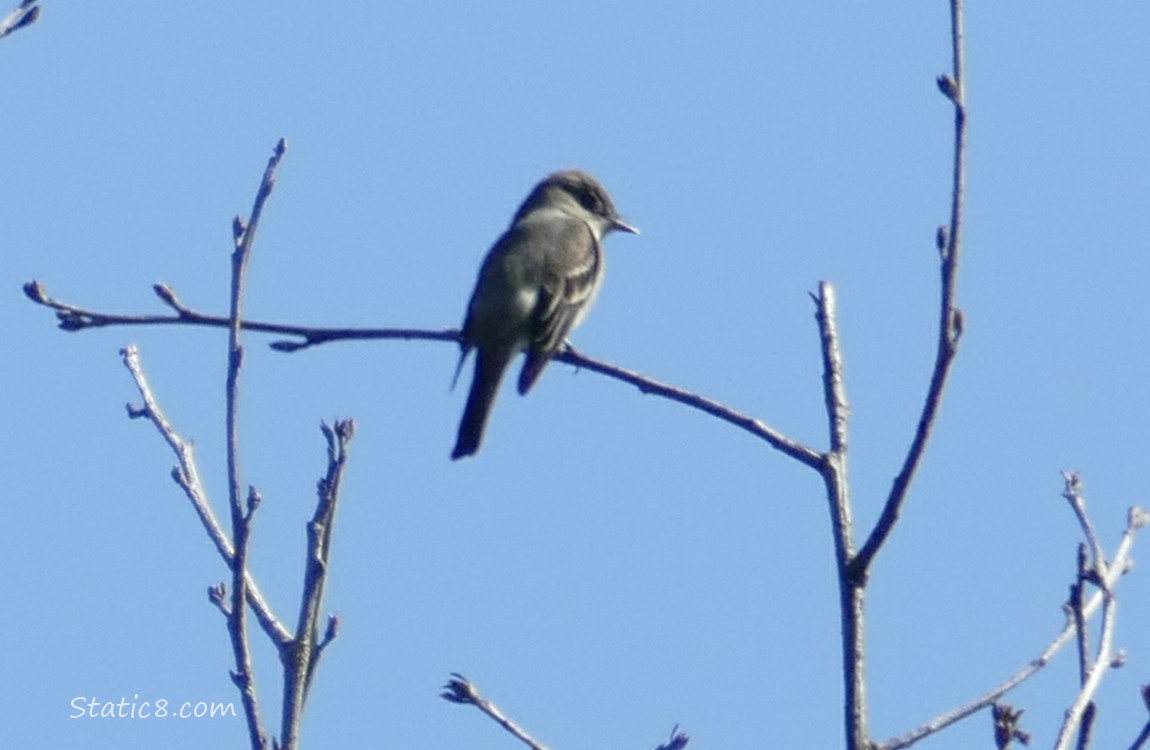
(24, 15)
(1136, 519)
(1080, 718)
(187, 475)
(1073, 494)
(244, 237)
(756, 427)
(301, 660)
(1080, 715)
(74, 318)
(1077, 592)
(460, 690)
(1080, 709)
(950, 317)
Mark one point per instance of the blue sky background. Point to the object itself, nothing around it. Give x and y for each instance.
(610, 564)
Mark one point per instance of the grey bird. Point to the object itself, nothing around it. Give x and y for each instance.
(535, 285)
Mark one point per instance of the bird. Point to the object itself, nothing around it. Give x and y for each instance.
(535, 286)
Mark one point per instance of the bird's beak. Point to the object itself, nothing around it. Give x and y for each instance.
(622, 226)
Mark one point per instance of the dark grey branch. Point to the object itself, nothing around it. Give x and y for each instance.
(242, 512)
(950, 323)
(74, 318)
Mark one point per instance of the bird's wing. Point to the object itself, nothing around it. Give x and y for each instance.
(571, 271)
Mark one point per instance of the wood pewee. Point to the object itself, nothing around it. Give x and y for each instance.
(535, 285)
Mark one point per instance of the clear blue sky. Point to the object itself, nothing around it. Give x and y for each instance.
(610, 564)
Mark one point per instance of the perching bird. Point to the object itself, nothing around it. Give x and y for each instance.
(535, 285)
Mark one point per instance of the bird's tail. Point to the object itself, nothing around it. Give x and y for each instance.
(489, 368)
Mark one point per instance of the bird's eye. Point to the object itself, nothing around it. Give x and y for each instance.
(590, 201)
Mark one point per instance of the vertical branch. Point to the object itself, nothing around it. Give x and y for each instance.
(302, 656)
(1077, 600)
(243, 676)
(834, 386)
(1080, 713)
(834, 472)
(950, 323)
(1079, 718)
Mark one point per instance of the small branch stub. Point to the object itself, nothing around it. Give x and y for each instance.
(677, 741)
(1007, 726)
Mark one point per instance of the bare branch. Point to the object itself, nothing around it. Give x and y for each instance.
(1079, 718)
(834, 383)
(187, 475)
(950, 322)
(1136, 519)
(1073, 494)
(1077, 592)
(73, 318)
(835, 478)
(301, 660)
(756, 427)
(244, 237)
(460, 690)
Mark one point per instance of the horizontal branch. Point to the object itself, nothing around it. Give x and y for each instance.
(74, 318)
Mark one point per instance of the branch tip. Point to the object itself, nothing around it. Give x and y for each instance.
(35, 291)
(677, 741)
(459, 690)
(332, 631)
